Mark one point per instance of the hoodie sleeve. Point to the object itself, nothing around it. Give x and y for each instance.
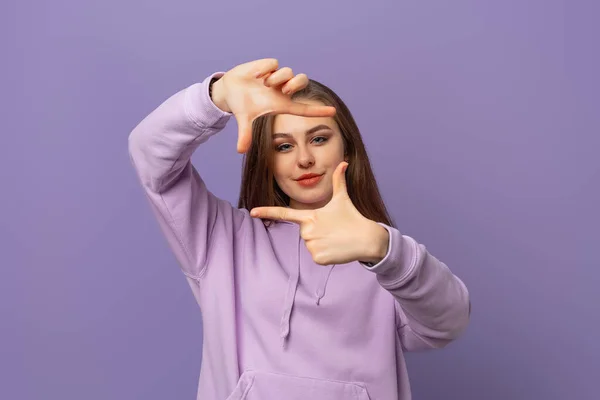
(432, 304)
(160, 148)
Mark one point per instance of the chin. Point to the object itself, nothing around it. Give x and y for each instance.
(311, 199)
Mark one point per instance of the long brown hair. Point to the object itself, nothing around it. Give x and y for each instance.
(258, 185)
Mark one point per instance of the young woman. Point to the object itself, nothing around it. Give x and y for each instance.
(307, 290)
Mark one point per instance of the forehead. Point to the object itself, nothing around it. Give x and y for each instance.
(287, 123)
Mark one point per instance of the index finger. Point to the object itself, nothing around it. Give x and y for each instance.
(265, 66)
(309, 110)
(279, 213)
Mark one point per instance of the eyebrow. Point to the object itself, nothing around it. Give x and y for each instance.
(308, 132)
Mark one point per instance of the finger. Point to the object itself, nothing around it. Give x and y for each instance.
(279, 77)
(244, 135)
(279, 213)
(306, 110)
(339, 179)
(295, 84)
(265, 66)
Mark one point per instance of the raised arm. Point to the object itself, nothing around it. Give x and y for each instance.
(160, 147)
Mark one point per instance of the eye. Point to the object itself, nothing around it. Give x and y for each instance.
(320, 139)
(282, 147)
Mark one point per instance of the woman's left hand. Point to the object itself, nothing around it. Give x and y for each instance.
(336, 233)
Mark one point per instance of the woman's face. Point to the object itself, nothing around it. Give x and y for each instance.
(304, 146)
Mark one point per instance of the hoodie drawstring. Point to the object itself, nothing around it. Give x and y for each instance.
(290, 297)
(321, 289)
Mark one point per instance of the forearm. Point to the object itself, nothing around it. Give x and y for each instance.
(163, 142)
(435, 301)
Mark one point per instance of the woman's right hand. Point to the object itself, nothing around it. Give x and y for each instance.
(259, 87)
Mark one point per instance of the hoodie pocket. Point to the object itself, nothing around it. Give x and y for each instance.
(258, 385)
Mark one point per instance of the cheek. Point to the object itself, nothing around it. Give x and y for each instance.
(281, 167)
(333, 156)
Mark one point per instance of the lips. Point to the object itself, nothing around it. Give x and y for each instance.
(308, 180)
(308, 176)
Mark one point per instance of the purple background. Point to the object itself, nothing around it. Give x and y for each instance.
(481, 119)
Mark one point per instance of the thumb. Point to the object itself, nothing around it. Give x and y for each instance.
(244, 134)
(279, 213)
(339, 179)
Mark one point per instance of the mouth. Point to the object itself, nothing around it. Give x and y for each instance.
(309, 179)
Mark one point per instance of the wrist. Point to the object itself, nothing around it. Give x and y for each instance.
(217, 94)
(376, 243)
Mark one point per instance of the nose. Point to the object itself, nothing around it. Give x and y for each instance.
(305, 158)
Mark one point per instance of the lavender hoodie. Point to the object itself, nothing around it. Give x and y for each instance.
(276, 324)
